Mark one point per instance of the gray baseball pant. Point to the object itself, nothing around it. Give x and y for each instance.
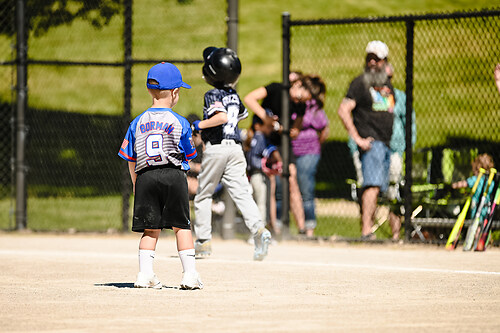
(224, 163)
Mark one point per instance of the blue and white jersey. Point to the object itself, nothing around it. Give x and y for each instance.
(259, 148)
(158, 136)
(223, 100)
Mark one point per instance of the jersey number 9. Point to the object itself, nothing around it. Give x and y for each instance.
(154, 149)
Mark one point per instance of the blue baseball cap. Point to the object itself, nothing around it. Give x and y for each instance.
(167, 75)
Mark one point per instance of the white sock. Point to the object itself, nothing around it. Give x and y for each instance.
(187, 260)
(146, 258)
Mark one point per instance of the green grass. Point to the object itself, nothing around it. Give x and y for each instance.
(182, 30)
(175, 30)
(171, 30)
(7, 218)
(65, 214)
(338, 226)
(453, 60)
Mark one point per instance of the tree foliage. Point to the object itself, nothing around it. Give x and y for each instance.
(45, 14)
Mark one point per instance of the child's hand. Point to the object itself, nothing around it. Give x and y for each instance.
(196, 126)
(271, 168)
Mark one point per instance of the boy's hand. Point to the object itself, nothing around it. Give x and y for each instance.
(196, 125)
(271, 168)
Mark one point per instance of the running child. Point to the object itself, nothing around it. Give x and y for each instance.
(223, 158)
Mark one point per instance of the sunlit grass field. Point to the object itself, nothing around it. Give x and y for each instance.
(175, 30)
(67, 214)
(182, 29)
(103, 214)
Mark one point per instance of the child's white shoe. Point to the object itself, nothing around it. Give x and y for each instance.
(262, 240)
(191, 280)
(147, 281)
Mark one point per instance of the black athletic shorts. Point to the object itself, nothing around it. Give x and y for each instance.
(161, 200)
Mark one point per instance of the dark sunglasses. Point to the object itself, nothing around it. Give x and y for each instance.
(372, 56)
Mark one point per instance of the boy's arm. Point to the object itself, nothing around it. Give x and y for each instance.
(275, 156)
(218, 119)
(133, 175)
(459, 184)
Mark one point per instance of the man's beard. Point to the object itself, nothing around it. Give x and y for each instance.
(374, 77)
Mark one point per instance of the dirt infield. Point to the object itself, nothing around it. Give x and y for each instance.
(83, 283)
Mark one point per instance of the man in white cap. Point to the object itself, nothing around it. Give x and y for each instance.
(367, 114)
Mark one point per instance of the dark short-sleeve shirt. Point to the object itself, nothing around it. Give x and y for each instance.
(223, 100)
(373, 115)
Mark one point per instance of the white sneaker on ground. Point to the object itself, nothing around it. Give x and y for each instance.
(147, 281)
(203, 249)
(262, 241)
(191, 281)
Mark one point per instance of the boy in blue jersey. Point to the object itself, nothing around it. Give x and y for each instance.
(157, 146)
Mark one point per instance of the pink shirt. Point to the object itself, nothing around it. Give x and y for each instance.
(315, 120)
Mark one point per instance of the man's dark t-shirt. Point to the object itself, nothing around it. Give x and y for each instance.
(373, 115)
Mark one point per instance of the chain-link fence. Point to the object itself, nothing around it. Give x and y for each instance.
(86, 64)
(8, 73)
(453, 93)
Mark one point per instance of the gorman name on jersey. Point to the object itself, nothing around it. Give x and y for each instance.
(156, 125)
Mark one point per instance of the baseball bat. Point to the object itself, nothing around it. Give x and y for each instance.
(489, 204)
(471, 232)
(485, 216)
(457, 228)
(481, 244)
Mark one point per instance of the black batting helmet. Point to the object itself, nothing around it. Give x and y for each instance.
(222, 67)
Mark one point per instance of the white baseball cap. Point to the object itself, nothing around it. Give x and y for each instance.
(378, 48)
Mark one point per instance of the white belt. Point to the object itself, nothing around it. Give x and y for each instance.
(227, 142)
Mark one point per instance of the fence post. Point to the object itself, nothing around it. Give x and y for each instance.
(127, 85)
(409, 109)
(285, 121)
(22, 103)
(232, 25)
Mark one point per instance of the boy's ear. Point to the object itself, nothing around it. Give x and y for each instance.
(175, 92)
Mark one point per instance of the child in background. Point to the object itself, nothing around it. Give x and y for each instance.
(484, 161)
(157, 146)
(263, 160)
